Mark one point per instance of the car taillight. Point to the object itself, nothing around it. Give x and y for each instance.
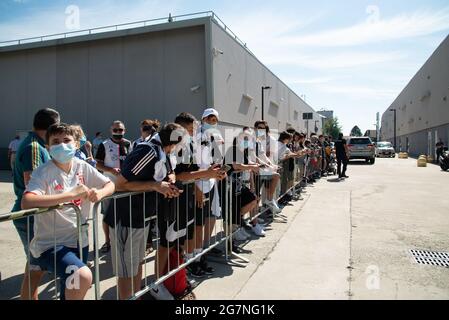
(350, 145)
(370, 146)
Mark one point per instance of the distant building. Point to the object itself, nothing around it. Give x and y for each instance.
(329, 114)
(372, 134)
(422, 108)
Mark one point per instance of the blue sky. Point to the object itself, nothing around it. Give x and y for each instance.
(353, 57)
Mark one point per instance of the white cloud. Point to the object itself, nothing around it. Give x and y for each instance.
(400, 27)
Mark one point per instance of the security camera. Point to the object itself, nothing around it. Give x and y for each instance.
(195, 88)
(216, 51)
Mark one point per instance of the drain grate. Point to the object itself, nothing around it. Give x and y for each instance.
(431, 257)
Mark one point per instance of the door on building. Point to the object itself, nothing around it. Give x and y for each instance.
(436, 140)
(407, 145)
(429, 143)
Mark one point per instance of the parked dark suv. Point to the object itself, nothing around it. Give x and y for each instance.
(361, 148)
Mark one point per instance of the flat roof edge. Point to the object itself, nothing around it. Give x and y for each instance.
(108, 34)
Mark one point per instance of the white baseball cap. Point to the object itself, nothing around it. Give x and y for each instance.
(210, 112)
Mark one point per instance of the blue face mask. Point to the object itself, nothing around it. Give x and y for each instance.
(83, 141)
(207, 126)
(63, 153)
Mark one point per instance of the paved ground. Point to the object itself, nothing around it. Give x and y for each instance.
(345, 240)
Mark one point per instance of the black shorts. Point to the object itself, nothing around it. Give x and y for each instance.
(176, 219)
(239, 200)
(206, 211)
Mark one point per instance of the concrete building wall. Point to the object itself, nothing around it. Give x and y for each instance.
(422, 107)
(129, 78)
(238, 77)
(145, 72)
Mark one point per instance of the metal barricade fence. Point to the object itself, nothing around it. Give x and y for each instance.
(175, 218)
(139, 211)
(26, 214)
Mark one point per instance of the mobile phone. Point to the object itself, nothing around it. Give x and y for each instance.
(225, 167)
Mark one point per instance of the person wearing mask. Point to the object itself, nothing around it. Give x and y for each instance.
(96, 143)
(31, 153)
(268, 173)
(83, 144)
(147, 129)
(110, 157)
(187, 170)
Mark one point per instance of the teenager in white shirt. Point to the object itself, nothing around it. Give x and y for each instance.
(64, 179)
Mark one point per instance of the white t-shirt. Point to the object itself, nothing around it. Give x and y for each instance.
(48, 179)
(14, 145)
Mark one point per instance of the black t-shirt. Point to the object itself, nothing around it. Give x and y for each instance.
(340, 148)
(138, 166)
(187, 160)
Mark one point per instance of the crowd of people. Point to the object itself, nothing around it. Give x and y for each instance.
(56, 164)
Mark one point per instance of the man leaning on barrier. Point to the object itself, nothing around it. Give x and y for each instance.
(147, 168)
(187, 169)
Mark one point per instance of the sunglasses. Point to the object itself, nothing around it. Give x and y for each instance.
(117, 130)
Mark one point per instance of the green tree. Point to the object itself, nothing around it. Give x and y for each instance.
(332, 128)
(356, 132)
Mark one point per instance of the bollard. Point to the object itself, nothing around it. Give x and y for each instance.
(422, 161)
(430, 159)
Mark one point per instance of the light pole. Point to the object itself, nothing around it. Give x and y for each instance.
(316, 128)
(263, 96)
(394, 126)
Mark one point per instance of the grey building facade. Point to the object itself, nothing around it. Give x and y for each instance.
(422, 108)
(153, 71)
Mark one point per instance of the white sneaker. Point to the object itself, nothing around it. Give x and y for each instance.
(258, 230)
(239, 236)
(273, 206)
(161, 293)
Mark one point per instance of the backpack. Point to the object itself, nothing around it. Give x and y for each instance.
(177, 283)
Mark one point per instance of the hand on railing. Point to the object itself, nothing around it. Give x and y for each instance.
(168, 190)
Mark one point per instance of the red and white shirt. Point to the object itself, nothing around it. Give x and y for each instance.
(48, 179)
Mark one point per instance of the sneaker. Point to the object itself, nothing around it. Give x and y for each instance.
(246, 233)
(273, 206)
(258, 230)
(205, 267)
(90, 264)
(195, 270)
(161, 293)
(240, 235)
(188, 296)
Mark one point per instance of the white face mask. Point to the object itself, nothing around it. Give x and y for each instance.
(261, 133)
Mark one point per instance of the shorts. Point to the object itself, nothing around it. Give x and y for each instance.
(176, 219)
(67, 261)
(239, 200)
(127, 249)
(206, 211)
(22, 229)
(262, 180)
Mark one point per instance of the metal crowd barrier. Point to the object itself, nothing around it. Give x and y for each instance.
(222, 230)
(26, 214)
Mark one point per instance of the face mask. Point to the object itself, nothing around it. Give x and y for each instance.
(208, 126)
(62, 153)
(117, 136)
(261, 133)
(83, 141)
